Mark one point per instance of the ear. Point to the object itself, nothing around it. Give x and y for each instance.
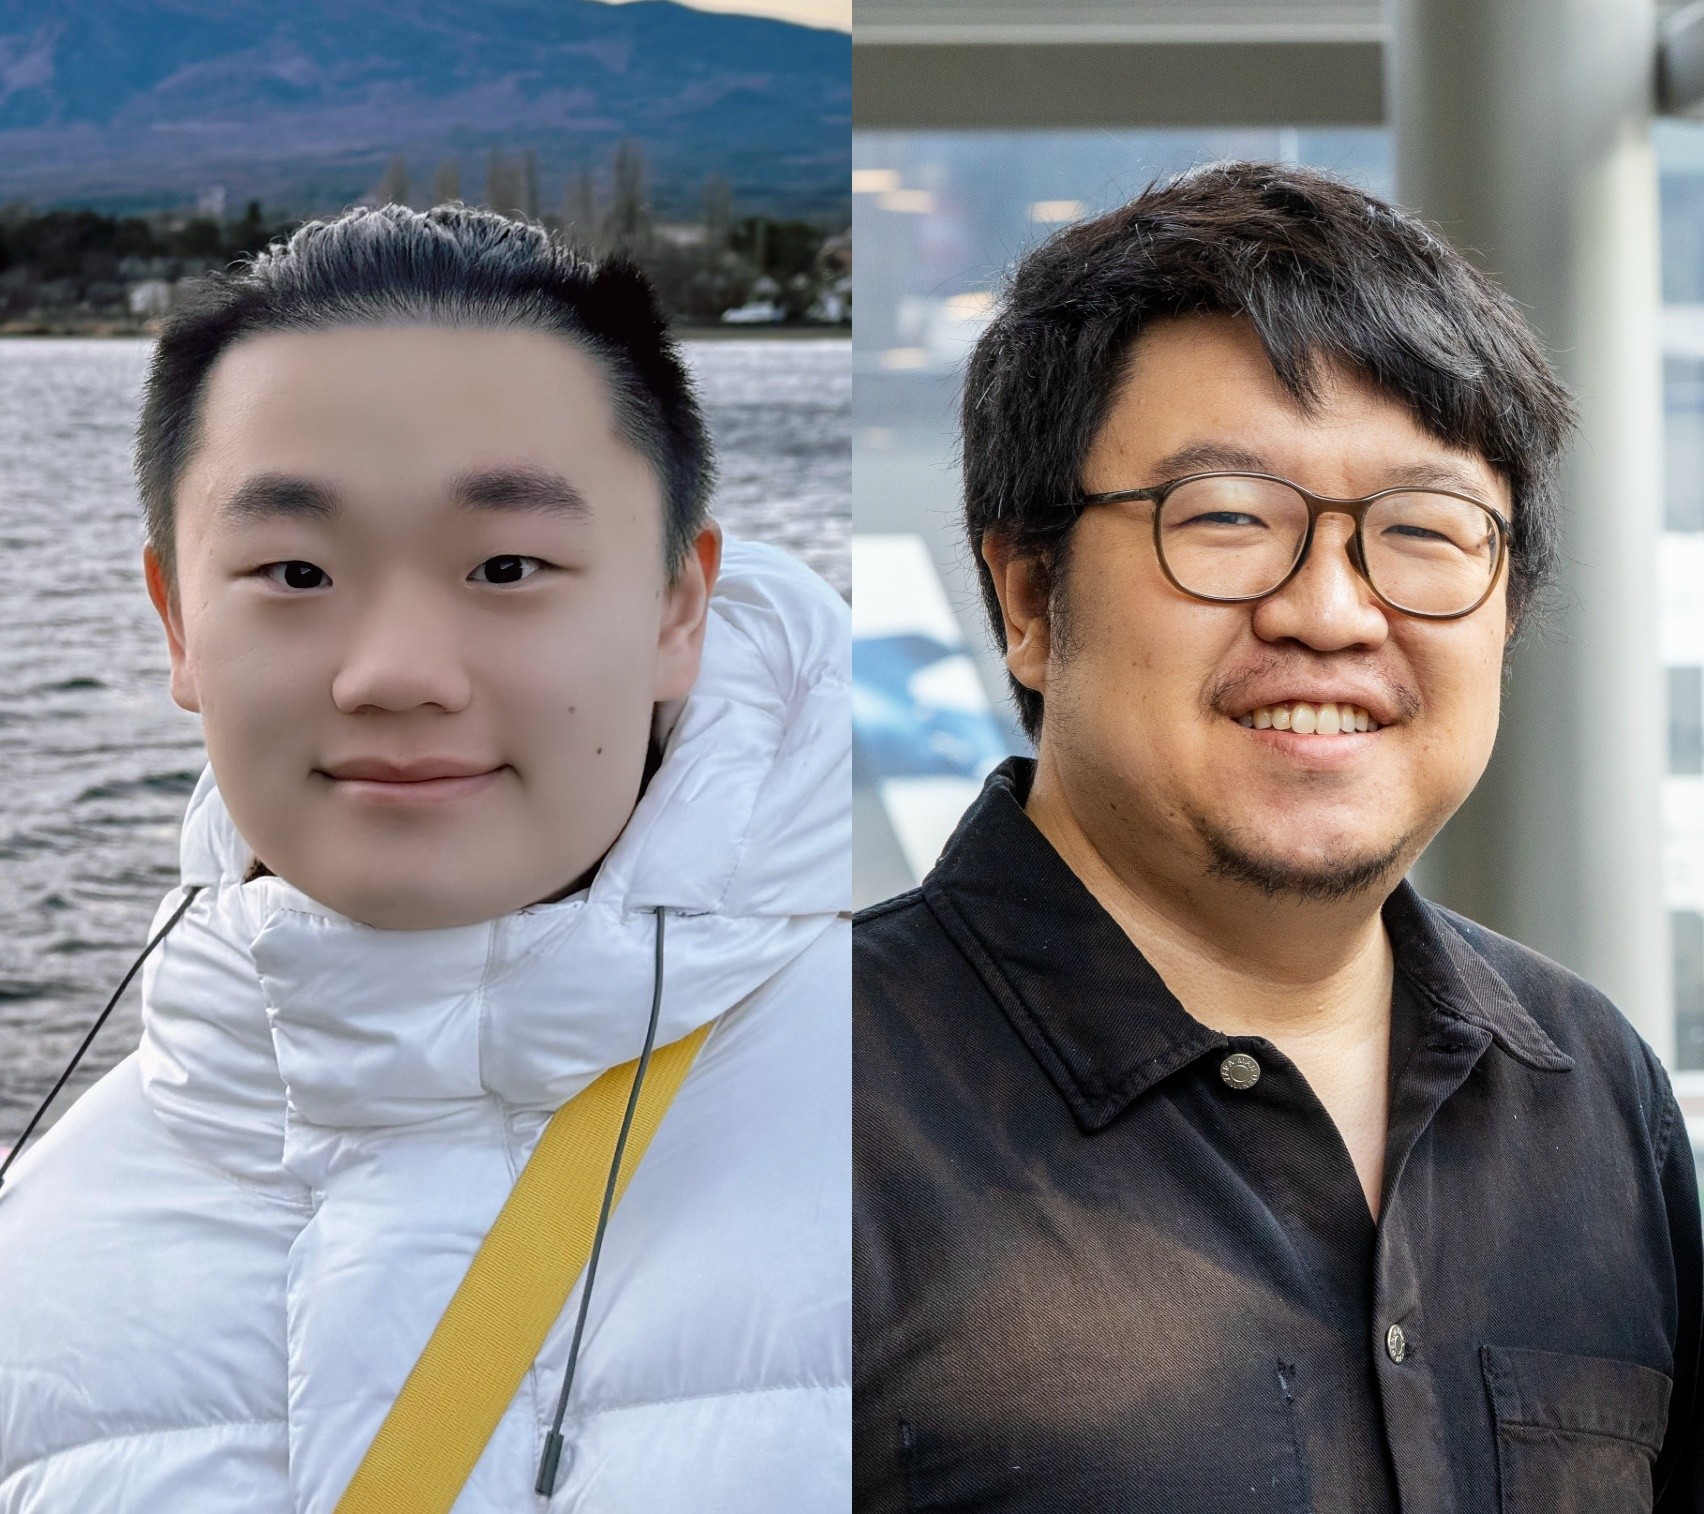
(686, 610)
(1018, 583)
(164, 595)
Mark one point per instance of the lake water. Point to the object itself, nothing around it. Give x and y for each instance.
(97, 760)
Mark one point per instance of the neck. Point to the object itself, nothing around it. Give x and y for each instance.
(1240, 961)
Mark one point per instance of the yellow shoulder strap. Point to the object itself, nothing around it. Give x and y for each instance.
(513, 1292)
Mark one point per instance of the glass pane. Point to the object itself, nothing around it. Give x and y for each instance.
(1232, 538)
(1688, 935)
(1430, 552)
(1686, 720)
(1683, 443)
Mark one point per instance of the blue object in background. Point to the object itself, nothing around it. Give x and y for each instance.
(899, 734)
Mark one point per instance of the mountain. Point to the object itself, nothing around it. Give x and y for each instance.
(143, 104)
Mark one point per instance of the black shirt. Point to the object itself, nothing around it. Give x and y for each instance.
(1092, 1273)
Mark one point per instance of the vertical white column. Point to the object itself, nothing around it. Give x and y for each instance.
(1522, 132)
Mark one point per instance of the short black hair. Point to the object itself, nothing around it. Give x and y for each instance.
(1326, 274)
(449, 266)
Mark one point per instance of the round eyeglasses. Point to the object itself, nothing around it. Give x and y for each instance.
(1234, 537)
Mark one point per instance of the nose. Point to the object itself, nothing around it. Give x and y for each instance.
(402, 654)
(1328, 605)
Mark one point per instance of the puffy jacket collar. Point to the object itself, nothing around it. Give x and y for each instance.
(264, 1001)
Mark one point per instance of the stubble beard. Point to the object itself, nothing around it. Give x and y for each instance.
(1233, 857)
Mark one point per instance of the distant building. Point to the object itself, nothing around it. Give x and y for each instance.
(833, 303)
(676, 235)
(754, 313)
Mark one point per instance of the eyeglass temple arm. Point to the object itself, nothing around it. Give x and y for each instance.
(1118, 496)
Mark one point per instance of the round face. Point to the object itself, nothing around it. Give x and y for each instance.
(1308, 744)
(422, 608)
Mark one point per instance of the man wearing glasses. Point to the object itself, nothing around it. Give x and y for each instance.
(1201, 1164)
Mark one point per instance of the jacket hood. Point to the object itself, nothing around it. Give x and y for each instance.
(271, 1022)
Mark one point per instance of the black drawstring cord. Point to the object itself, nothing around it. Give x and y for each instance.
(94, 1030)
(546, 1483)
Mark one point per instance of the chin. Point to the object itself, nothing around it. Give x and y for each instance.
(386, 906)
(1307, 871)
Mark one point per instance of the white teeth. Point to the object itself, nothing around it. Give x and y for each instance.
(1326, 719)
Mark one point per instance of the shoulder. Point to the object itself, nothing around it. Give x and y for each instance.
(125, 1246)
(782, 1054)
(1582, 1020)
(793, 1030)
(790, 613)
(892, 940)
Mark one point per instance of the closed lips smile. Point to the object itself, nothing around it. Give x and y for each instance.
(410, 783)
(441, 780)
(429, 770)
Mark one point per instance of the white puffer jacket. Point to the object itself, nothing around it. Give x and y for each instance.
(218, 1268)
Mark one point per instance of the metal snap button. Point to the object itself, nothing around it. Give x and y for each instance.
(1396, 1343)
(1240, 1070)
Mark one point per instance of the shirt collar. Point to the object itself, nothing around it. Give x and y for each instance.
(1088, 1004)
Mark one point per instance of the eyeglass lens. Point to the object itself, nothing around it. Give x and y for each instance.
(1235, 537)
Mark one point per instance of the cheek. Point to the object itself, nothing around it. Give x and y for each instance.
(257, 691)
(1142, 655)
(580, 686)
(1460, 683)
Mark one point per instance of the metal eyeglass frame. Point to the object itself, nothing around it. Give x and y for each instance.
(1318, 505)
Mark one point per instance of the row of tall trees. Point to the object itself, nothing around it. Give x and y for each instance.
(85, 261)
(719, 263)
(85, 247)
(511, 187)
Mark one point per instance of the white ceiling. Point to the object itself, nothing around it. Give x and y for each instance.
(996, 21)
(1118, 20)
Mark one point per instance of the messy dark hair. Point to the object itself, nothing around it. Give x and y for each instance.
(451, 266)
(1326, 274)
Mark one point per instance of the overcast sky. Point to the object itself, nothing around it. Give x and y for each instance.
(837, 13)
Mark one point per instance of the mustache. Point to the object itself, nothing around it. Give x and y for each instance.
(1225, 691)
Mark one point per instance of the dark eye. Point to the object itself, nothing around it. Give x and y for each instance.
(508, 569)
(296, 574)
(1226, 518)
(1419, 533)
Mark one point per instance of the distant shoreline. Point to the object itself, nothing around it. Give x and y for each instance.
(800, 331)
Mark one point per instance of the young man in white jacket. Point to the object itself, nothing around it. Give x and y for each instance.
(487, 702)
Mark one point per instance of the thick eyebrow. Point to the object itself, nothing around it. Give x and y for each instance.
(1208, 457)
(527, 489)
(271, 496)
(1422, 473)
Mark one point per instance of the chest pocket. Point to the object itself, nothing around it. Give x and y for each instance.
(1575, 1434)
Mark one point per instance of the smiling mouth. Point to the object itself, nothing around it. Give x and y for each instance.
(1309, 719)
(409, 792)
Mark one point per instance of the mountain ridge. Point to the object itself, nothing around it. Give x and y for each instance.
(134, 104)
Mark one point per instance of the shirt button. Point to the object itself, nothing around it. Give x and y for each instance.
(1240, 1070)
(1396, 1343)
